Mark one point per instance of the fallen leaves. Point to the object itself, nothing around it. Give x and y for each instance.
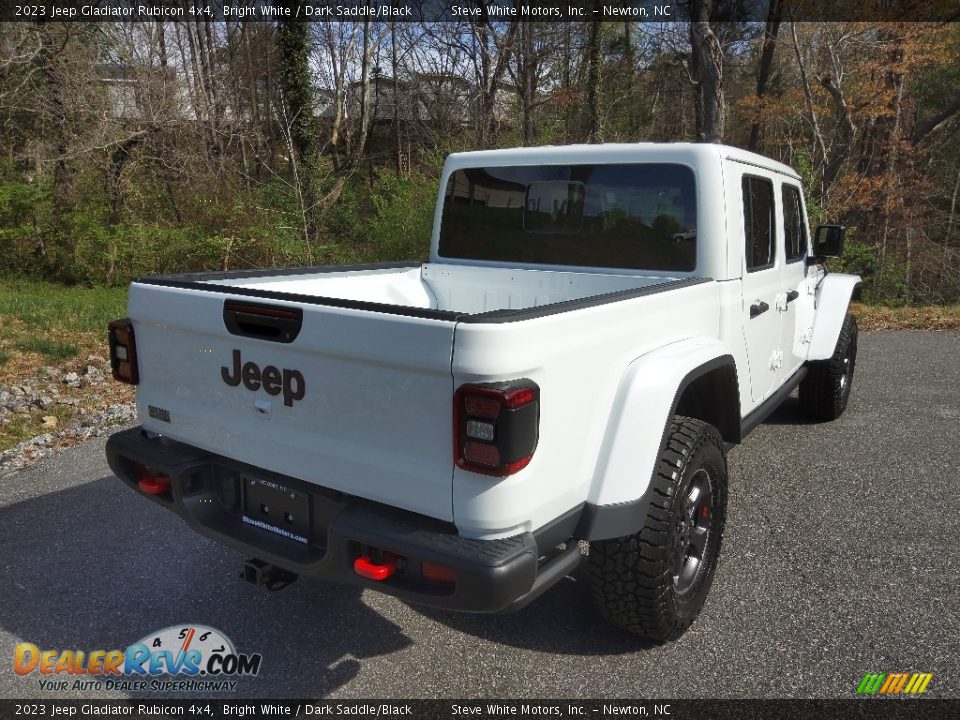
(926, 317)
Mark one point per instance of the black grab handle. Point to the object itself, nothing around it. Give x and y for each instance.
(264, 322)
(758, 308)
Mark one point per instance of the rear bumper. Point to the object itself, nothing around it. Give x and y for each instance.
(207, 491)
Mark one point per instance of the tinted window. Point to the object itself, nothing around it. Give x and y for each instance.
(554, 207)
(758, 222)
(640, 216)
(794, 232)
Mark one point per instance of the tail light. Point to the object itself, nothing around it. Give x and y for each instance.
(496, 427)
(123, 351)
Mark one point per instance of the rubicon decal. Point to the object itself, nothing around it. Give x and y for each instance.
(894, 683)
(271, 379)
(178, 650)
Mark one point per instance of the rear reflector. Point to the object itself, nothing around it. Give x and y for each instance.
(434, 573)
(154, 485)
(365, 567)
(496, 427)
(481, 454)
(123, 351)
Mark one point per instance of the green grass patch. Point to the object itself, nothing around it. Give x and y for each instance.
(51, 349)
(46, 306)
(18, 429)
(4, 356)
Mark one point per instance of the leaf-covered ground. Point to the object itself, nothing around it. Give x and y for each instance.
(926, 317)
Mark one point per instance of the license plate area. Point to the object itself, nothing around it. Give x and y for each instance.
(277, 509)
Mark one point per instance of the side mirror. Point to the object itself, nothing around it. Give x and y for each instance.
(828, 241)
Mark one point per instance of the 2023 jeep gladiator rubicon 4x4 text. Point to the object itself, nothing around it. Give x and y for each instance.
(595, 328)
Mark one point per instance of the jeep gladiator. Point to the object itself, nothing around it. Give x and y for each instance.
(594, 330)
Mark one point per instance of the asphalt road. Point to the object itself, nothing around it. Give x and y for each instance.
(840, 558)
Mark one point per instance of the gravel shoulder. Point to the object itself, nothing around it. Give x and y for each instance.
(74, 403)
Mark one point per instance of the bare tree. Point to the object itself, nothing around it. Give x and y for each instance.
(493, 45)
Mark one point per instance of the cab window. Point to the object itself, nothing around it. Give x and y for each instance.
(794, 230)
(758, 222)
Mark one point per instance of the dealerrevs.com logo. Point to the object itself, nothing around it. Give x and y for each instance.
(196, 657)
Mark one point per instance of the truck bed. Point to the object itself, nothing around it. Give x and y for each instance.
(374, 362)
(455, 289)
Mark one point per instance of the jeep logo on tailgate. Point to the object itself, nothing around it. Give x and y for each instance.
(273, 380)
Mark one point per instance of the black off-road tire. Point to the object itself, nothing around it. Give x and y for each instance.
(825, 391)
(633, 579)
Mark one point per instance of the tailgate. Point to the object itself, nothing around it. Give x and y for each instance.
(359, 401)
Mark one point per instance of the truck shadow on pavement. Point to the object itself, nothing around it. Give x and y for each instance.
(788, 414)
(561, 621)
(96, 567)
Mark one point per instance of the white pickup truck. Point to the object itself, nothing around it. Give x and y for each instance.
(596, 327)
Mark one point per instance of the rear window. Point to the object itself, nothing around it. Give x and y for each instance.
(641, 216)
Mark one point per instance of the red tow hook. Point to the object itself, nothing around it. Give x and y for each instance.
(365, 567)
(154, 485)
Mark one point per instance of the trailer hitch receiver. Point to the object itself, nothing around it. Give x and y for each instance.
(264, 574)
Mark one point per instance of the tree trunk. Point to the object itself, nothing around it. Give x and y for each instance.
(708, 71)
(937, 121)
(161, 43)
(362, 130)
(774, 17)
(595, 81)
(880, 155)
(62, 172)
(485, 107)
(528, 65)
(566, 77)
(395, 69)
(494, 57)
(292, 42)
(819, 154)
(293, 53)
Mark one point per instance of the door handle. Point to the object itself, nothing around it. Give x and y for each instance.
(792, 295)
(758, 308)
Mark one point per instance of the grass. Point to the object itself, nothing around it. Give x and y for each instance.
(43, 323)
(52, 307)
(51, 349)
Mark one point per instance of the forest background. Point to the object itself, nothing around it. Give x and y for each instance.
(150, 147)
